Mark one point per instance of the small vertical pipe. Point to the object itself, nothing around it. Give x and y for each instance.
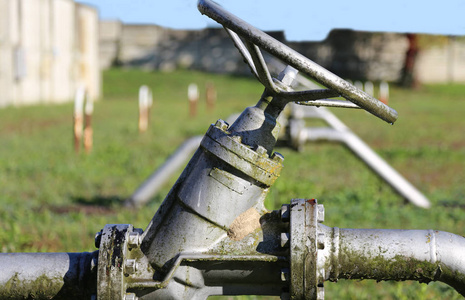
(149, 105)
(369, 89)
(358, 84)
(143, 108)
(451, 59)
(210, 96)
(193, 97)
(384, 92)
(78, 117)
(88, 131)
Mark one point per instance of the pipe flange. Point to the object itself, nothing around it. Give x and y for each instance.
(111, 263)
(252, 162)
(305, 278)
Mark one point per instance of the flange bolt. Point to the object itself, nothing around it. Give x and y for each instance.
(320, 213)
(285, 239)
(98, 239)
(285, 213)
(222, 125)
(134, 240)
(130, 296)
(130, 266)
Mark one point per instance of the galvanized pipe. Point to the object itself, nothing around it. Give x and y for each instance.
(383, 254)
(48, 275)
(339, 132)
(152, 184)
(297, 60)
(342, 133)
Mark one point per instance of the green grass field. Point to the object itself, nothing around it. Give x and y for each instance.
(55, 200)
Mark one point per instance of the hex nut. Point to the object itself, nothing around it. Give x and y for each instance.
(130, 266)
(130, 296)
(98, 239)
(134, 240)
(285, 275)
(320, 213)
(285, 213)
(277, 157)
(321, 240)
(285, 239)
(237, 138)
(261, 150)
(222, 125)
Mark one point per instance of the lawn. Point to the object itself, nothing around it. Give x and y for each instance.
(55, 200)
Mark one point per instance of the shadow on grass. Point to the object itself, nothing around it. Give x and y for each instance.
(98, 200)
(90, 206)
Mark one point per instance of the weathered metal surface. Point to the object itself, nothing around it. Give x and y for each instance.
(48, 275)
(223, 169)
(296, 60)
(113, 251)
(383, 254)
(306, 281)
(212, 234)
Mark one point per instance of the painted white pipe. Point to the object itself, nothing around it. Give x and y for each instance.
(340, 132)
(152, 184)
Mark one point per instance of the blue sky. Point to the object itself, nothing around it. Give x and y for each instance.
(300, 19)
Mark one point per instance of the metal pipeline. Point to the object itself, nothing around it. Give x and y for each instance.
(383, 254)
(368, 156)
(152, 184)
(48, 275)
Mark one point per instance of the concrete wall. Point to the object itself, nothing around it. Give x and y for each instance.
(109, 36)
(442, 63)
(47, 49)
(347, 53)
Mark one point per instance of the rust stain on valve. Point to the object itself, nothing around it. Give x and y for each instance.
(311, 201)
(244, 224)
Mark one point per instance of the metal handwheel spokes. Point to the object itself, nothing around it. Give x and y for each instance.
(255, 40)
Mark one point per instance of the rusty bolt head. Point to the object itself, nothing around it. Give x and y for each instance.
(277, 157)
(320, 213)
(134, 240)
(222, 125)
(98, 239)
(285, 212)
(285, 239)
(130, 266)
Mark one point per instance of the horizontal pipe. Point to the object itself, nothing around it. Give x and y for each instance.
(48, 275)
(382, 254)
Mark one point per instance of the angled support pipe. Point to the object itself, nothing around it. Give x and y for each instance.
(154, 182)
(339, 132)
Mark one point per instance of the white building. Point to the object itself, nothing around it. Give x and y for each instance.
(47, 49)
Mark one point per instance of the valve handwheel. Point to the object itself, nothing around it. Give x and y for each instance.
(250, 40)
